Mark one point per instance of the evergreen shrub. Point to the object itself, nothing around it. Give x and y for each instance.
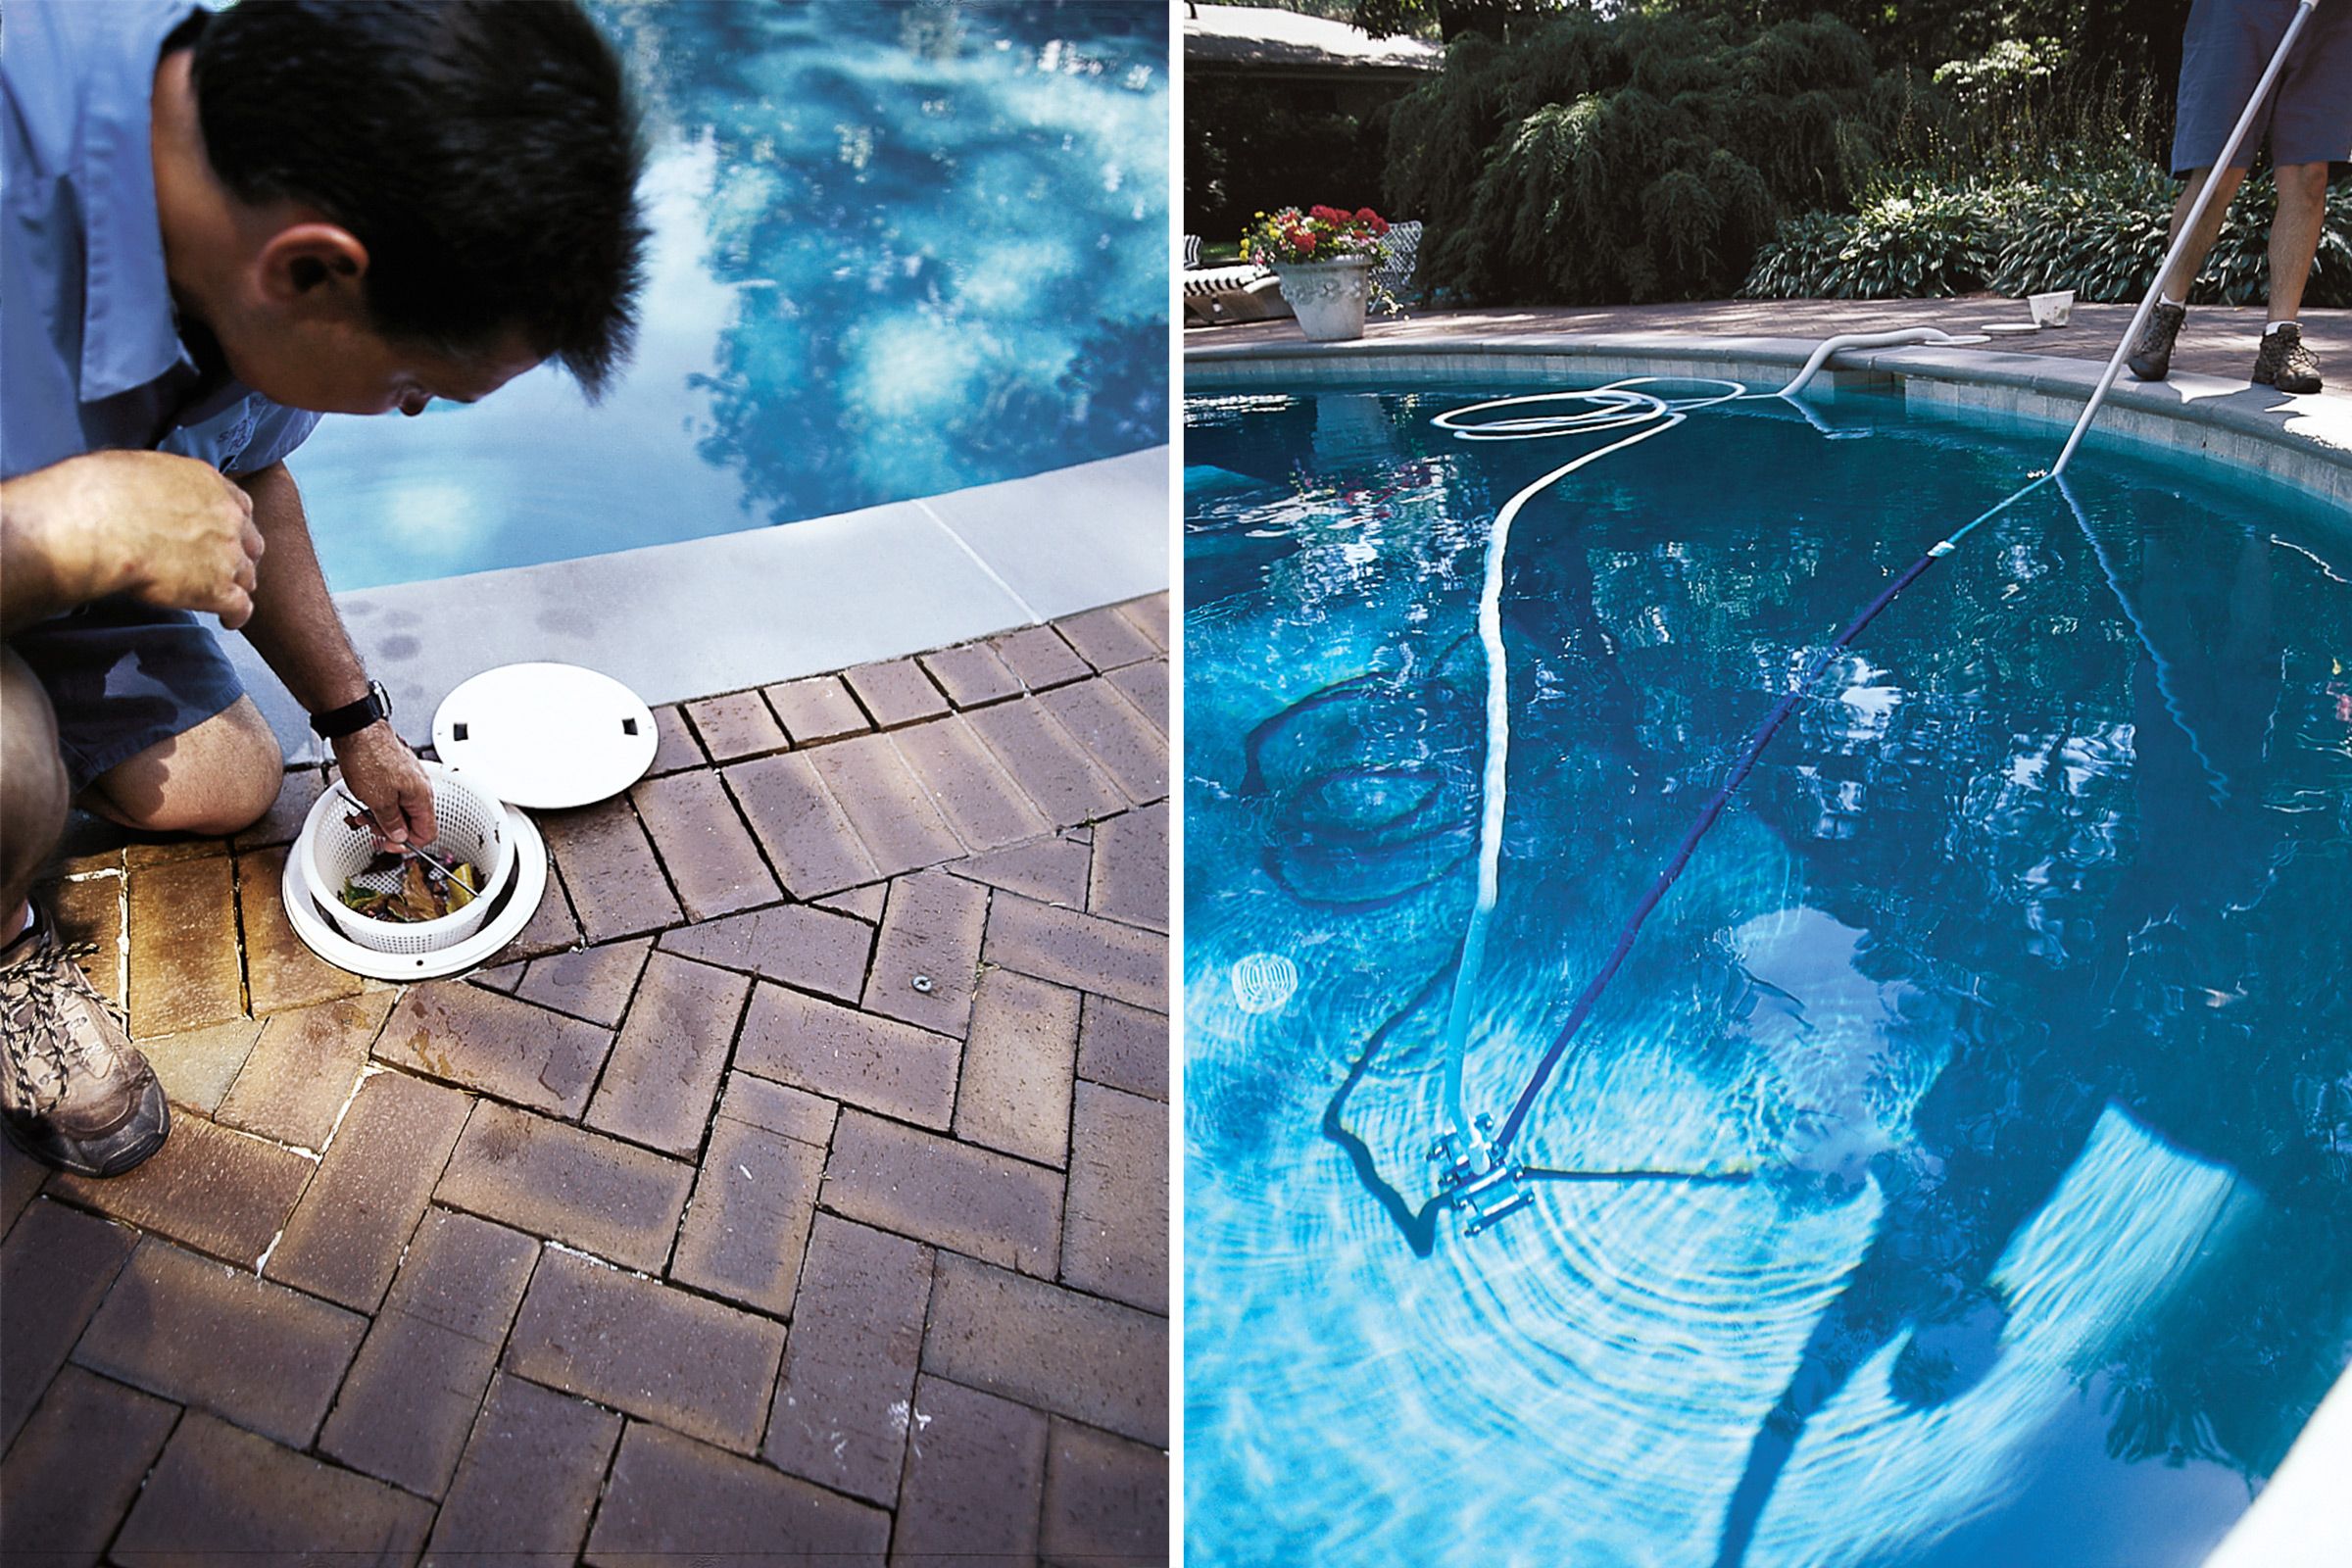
(1639, 156)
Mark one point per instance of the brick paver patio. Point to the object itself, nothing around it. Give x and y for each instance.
(794, 1189)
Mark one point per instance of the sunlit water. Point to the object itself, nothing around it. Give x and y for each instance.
(1988, 1074)
(900, 247)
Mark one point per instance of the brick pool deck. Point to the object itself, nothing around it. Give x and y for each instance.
(695, 1227)
(2216, 340)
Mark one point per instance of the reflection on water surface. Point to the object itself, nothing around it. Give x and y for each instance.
(1961, 1168)
(898, 249)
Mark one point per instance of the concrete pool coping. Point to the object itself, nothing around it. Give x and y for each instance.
(700, 617)
(2303, 442)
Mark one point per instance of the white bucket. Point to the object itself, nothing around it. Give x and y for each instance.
(473, 828)
(2053, 309)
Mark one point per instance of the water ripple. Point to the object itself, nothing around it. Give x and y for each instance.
(1972, 1124)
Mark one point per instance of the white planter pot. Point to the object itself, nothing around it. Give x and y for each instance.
(1328, 297)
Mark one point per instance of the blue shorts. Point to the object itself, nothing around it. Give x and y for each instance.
(123, 677)
(2308, 119)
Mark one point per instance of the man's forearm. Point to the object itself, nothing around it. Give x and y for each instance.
(294, 626)
(168, 529)
(42, 572)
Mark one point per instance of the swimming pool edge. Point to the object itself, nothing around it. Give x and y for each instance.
(2304, 442)
(725, 612)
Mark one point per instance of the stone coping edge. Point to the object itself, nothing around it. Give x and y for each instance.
(2304, 442)
(700, 617)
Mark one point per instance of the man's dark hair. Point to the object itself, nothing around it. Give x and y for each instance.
(486, 153)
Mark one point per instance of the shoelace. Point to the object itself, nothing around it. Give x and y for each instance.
(35, 994)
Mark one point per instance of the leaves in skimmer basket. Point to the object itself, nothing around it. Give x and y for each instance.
(424, 893)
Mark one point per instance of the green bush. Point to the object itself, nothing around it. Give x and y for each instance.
(1908, 240)
(2097, 228)
(1641, 156)
(2021, 109)
(2102, 234)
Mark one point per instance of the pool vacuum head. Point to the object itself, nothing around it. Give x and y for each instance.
(1486, 1191)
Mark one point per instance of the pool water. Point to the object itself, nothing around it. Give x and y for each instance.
(900, 248)
(1959, 1171)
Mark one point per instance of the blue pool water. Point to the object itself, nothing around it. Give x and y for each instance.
(900, 248)
(1959, 1172)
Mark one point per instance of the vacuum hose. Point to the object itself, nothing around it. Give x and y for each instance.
(1623, 405)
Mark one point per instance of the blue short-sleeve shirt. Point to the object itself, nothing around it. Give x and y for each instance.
(90, 354)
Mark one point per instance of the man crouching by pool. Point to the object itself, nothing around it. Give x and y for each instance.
(218, 227)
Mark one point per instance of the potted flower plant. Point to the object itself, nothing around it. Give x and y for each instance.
(1323, 259)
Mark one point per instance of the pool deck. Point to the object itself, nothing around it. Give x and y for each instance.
(2216, 340)
(2207, 408)
(796, 1183)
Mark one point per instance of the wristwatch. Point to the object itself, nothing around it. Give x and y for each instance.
(352, 718)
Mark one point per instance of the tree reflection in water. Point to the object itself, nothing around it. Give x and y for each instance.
(945, 221)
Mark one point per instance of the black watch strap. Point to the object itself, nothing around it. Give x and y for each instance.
(351, 717)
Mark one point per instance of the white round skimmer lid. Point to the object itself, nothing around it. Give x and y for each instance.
(546, 736)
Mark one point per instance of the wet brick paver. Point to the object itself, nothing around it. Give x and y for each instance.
(78, 1465)
(794, 1189)
(974, 1475)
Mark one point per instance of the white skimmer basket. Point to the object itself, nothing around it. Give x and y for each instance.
(511, 740)
(474, 828)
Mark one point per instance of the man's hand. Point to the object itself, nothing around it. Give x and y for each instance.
(379, 768)
(168, 529)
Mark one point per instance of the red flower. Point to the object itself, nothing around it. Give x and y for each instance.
(1365, 215)
(1303, 238)
(1329, 214)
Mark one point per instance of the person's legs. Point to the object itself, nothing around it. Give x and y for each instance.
(2284, 362)
(153, 725)
(33, 789)
(2295, 234)
(73, 1092)
(2223, 51)
(2151, 356)
(215, 778)
(2183, 274)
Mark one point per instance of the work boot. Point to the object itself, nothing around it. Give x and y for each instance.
(74, 1092)
(2151, 357)
(2286, 363)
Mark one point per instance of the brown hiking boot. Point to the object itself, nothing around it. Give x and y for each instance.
(73, 1092)
(2151, 357)
(2286, 363)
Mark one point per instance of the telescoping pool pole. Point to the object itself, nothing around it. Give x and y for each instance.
(1497, 1150)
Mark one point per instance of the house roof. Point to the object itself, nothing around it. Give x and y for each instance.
(1258, 36)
